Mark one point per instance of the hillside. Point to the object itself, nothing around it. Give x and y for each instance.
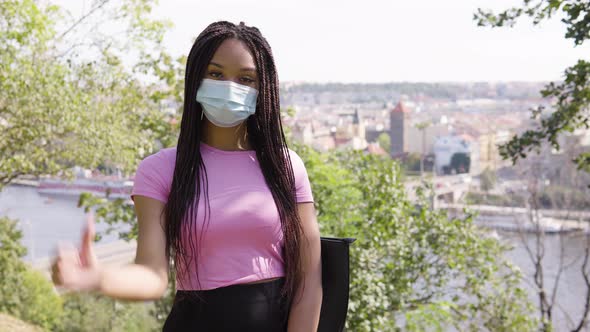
(11, 324)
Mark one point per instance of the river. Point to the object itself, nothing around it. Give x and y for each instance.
(45, 220)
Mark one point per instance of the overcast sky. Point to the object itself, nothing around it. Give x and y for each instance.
(382, 41)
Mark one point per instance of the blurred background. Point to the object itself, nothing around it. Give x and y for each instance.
(454, 133)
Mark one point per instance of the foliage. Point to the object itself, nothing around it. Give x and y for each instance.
(28, 295)
(11, 266)
(117, 213)
(572, 96)
(556, 197)
(58, 109)
(162, 307)
(24, 293)
(90, 312)
(384, 141)
(488, 179)
(40, 304)
(510, 200)
(576, 18)
(412, 162)
(408, 260)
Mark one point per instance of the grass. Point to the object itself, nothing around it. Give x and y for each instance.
(12, 324)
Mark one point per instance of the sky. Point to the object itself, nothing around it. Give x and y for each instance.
(384, 41)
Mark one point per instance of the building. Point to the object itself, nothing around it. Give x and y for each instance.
(460, 147)
(407, 136)
(399, 125)
(351, 135)
(488, 148)
(421, 141)
(303, 132)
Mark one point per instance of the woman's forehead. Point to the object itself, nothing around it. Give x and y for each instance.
(233, 53)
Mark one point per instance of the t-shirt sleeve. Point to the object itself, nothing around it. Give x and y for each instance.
(149, 179)
(302, 185)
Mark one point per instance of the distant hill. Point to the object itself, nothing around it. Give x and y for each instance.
(11, 324)
(371, 93)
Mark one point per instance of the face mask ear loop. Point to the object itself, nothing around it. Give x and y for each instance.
(202, 113)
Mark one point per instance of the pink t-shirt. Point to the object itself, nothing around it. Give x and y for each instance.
(243, 239)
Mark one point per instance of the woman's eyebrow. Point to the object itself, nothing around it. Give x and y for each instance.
(243, 69)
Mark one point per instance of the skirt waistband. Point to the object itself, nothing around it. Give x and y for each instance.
(272, 287)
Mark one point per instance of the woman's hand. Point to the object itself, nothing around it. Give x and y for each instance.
(76, 269)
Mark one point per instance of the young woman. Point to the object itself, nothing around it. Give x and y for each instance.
(231, 205)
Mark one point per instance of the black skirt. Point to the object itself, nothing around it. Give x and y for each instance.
(242, 307)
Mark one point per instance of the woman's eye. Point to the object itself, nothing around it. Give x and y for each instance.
(247, 80)
(215, 74)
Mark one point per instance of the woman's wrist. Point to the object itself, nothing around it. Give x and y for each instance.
(99, 277)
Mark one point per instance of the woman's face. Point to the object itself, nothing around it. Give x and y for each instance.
(233, 62)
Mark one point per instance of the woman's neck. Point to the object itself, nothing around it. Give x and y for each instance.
(229, 139)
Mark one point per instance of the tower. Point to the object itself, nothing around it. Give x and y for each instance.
(358, 124)
(399, 123)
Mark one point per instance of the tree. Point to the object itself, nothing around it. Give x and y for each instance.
(488, 179)
(422, 126)
(73, 93)
(24, 293)
(28, 295)
(571, 106)
(59, 109)
(572, 96)
(11, 266)
(548, 273)
(40, 304)
(91, 312)
(384, 141)
(408, 261)
(412, 162)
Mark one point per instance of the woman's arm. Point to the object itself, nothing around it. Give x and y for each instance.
(145, 279)
(305, 310)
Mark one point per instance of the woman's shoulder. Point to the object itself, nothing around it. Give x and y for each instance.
(154, 174)
(163, 154)
(299, 169)
(302, 185)
(168, 154)
(296, 160)
(162, 159)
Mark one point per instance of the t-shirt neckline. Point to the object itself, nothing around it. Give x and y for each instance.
(226, 152)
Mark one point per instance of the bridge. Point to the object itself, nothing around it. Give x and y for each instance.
(581, 215)
(449, 188)
(521, 219)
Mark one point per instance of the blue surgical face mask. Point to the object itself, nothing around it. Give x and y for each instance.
(226, 103)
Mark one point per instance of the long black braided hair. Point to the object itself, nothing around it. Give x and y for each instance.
(265, 135)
